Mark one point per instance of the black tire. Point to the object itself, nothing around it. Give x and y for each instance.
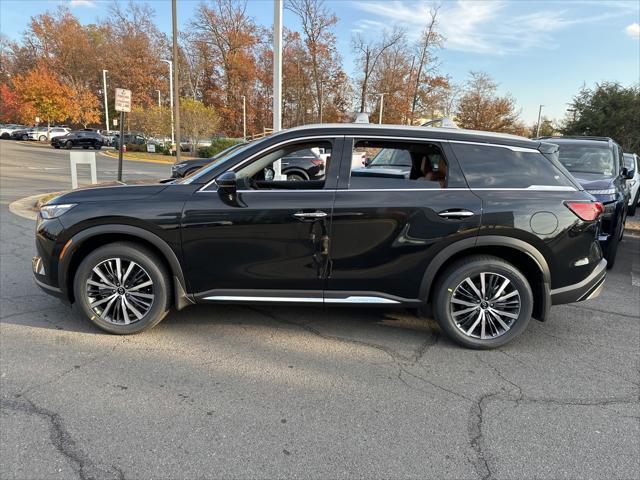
(97, 147)
(5, 135)
(25, 137)
(295, 177)
(612, 250)
(69, 144)
(152, 266)
(634, 204)
(42, 138)
(455, 276)
(86, 147)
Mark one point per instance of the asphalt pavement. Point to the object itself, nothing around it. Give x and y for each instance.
(270, 392)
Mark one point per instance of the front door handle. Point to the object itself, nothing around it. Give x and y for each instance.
(455, 214)
(310, 215)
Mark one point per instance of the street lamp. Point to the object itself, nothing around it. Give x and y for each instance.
(381, 95)
(170, 63)
(104, 92)
(244, 118)
(539, 117)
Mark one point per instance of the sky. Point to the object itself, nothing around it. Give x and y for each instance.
(542, 52)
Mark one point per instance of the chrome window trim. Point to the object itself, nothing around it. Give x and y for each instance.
(272, 147)
(509, 147)
(362, 299)
(443, 140)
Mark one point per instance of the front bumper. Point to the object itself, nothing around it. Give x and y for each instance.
(40, 277)
(587, 289)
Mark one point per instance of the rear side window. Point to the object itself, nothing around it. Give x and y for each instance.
(486, 166)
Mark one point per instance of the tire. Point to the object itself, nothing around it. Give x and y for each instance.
(24, 137)
(42, 138)
(295, 177)
(634, 204)
(146, 267)
(97, 147)
(452, 285)
(5, 136)
(612, 250)
(85, 147)
(69, 144)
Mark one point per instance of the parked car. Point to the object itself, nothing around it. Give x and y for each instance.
(78, 138)
(496, 237)
(21, 133)
(129, 138)
(632, 164)
(40, 133)
(7, 130)
(597, 164)
(183, 169)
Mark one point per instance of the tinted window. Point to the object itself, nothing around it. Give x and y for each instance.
(588, 158)
(629, 162)
(397, 165)
(497, 167)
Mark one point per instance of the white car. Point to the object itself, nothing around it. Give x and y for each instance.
(7, 130)
(632, 162)
(40, 133)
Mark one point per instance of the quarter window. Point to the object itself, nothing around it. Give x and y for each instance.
(397, 165)
(487, 166)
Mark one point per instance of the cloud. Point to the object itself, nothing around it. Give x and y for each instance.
(492, 27)
(633, 30)
(81, 3)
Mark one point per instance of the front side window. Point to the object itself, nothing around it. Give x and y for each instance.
(590, 159)
(397, 165)
(302, 166)
(629, 162)
(486, 166)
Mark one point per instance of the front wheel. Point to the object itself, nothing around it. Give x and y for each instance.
(42, 138)
(25, 137)
(482, 302)
(295, 177)
(69, 144)
(123, 288)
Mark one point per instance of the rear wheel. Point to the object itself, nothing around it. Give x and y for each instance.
(295, 177)
(123, 288)
(612, 249)
(482, 302)
(25, 137)
(42, 138)
(5, 135)
(69, 144)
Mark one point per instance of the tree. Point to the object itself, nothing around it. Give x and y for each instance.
(10, 106)
(154, 121)
(369, 52)
(547, 128)
(85, 107)
(608, 110)
(480, 107)
(45, 96)
(197, 121)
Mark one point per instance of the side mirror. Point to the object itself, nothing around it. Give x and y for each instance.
(227, 182)
(627, 174)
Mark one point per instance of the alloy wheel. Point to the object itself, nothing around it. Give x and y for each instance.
(485, 305)
(119, 291)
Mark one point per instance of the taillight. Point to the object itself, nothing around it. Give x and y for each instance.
(587, 211)
(317, 161)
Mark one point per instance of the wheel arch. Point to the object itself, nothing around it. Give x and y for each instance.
(528, 259)
(298, 170)
(94, 237)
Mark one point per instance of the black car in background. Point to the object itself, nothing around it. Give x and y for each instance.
(187, 167)
(129, 138)
(597, 163)
(79, 138)
(496, 237)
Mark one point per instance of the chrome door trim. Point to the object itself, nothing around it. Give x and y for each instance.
(362, 299)
(243, 298)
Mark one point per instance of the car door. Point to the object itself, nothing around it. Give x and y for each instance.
(267, 241)
(390, 219)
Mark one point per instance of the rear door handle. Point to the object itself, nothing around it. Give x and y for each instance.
(453, 214)
(310, 215)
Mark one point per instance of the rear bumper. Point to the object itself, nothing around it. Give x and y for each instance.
(587, 289)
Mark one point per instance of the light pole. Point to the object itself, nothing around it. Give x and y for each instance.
(539, 117)
(277, 78)
(381, 95)
(244, 118)
(170, 63)
(158, 97)
(175, 90)
(104, 94)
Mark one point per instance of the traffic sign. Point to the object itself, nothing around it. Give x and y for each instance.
(123, 100)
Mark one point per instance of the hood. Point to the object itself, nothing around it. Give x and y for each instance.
(112, 191)
(593, 182)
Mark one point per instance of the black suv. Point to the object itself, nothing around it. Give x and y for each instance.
(80, 138)
(598, 164)
(495, 236)
(186, 168)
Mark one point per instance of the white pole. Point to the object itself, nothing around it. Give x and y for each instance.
(381, 107)
(539, 116)
(104, 92)
(170, 63)
(277, 77)
(158, 97)
(244, 118)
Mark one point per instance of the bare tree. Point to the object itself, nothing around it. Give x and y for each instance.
(369, 52)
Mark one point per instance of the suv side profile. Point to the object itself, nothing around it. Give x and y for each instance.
(492, 237)
(80, 138)
(597, 163)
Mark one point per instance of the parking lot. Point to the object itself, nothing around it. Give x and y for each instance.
(266, 392)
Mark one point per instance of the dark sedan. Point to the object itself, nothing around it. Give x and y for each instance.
(81, 138)
(187, 167)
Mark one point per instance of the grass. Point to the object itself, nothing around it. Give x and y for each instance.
(43, 199)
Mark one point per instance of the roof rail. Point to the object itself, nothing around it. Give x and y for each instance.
(575, 137)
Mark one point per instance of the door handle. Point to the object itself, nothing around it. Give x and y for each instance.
(453, 214)
(306, 215)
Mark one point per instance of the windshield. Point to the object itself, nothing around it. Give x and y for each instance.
(593, 159)
(391, 157)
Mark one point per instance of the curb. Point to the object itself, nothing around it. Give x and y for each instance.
(25, 207)
(110, 153)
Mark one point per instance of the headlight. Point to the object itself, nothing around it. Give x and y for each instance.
(177, 165)
(608, 191)
(54, 211)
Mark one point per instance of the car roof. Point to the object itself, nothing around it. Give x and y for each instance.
(435, 133)
(578, 139)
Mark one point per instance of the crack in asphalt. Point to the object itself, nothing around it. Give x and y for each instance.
(63, 442)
